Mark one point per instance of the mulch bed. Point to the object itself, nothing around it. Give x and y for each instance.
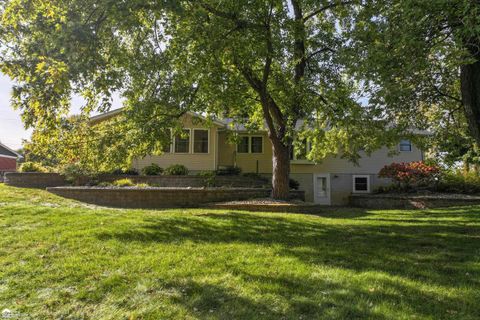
(268, 205)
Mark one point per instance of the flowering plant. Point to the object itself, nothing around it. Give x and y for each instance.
(410, 174)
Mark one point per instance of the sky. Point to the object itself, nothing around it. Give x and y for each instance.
(12, 130)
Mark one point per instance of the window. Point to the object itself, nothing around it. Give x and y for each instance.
(182, 142)
(243, 145)
(361, 184)
(200, 141)
(301, 153)
(405, 145)
(249, 144)
(257, 144)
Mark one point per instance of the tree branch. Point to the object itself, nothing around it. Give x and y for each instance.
(325, 8)
(320, 51)
(240, 23)
(270, 108)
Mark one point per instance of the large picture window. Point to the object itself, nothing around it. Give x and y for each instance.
(182, 142)
(200, 141)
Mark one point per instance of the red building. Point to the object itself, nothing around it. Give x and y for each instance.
(8, 159)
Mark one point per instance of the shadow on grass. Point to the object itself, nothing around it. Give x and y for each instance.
(417, 250)
(307, 300)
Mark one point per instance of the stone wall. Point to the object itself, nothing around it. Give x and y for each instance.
(45, 180)
(388, 201)
(190, 181)
(34, 179)
(156, 197)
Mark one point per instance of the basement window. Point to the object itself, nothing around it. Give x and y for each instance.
(361, 184)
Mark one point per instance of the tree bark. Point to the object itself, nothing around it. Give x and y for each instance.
(470, 88)
(281, 171)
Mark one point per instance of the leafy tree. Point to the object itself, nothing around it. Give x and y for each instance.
(420, 60)
(264, 63)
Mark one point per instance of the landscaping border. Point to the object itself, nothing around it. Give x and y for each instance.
(46, 180)
(411, 201)
(150, 198)
(39, 180)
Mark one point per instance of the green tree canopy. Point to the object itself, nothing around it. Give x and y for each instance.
(269, 63)
(419, 61)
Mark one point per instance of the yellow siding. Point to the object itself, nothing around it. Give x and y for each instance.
(251, 162)
(371, 165)
(226, 151)
(193, 161)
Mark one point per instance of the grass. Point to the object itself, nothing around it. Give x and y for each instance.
(60, 259)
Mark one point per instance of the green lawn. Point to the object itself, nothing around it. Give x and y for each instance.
(60, 259)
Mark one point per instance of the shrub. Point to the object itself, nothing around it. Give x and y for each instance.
(409, 175)
(457, 182)
(176, 170)
(104, 184)
(76, 174)
(229, 171)
(293, 184)
(142, 185)
(123, 183)
(32, 167)
(208, 178)
(152, 170)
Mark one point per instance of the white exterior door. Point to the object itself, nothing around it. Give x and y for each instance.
(321, 188)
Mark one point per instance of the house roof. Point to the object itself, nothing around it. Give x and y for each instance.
(110, 114)
(228, 123)
(7, 152)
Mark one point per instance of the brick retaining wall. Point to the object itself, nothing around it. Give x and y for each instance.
(45, 180)
(34, 179)
(156, 197)
(387, 201)
(189, 181)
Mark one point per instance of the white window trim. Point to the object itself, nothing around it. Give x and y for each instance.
(400, 148)
(193, 140)
(189, 142)
(250, 144)
(361, 176)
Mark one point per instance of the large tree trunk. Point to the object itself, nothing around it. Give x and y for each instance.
(470, 84)
(281, 171)
(470, 87)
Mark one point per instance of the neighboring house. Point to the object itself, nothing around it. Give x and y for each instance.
(8, 159)
(330, 182)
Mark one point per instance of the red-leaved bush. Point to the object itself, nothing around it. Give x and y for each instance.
(410, 174)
